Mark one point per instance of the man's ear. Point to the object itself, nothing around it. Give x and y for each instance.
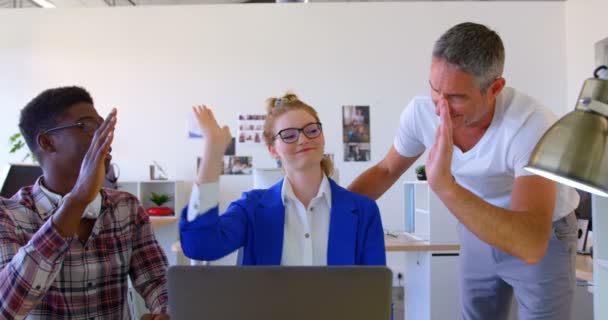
(497, 86)
(45, 143)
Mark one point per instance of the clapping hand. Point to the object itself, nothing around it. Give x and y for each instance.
(439, 161)
(92, 169)
(90, 179)
(210, 129)
(217, 140)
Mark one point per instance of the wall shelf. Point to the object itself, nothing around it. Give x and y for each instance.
(165, 227)
(178, 191)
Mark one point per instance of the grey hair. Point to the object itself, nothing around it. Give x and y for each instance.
(474, 49)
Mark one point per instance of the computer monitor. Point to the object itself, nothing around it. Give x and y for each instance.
(16, 176)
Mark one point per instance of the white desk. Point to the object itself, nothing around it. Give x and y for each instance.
(584, 267)
(408, 242)
(431, 277)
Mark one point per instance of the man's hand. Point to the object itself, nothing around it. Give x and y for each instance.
(92, 169)
(439, 162)
(161, 316)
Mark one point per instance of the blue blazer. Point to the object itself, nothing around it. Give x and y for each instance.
(256, 223)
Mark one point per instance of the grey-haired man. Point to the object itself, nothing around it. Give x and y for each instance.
(517, 230)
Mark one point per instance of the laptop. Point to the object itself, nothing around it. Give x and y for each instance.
(290, 293)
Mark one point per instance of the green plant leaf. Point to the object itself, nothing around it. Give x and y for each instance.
(15, 137)
(420, 169)
(16, 146)
(17, 143)
(159, 199)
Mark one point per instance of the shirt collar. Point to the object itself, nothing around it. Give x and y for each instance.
(53, 201)
(324, 191)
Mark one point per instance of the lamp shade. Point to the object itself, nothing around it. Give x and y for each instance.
(574, 151)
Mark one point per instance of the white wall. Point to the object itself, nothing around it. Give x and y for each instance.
(153, 63)
(586, 22)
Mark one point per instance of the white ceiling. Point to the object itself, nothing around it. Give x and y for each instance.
(99, 3)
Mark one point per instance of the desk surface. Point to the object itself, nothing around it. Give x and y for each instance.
(584, 267)
(158, 222)
(401, 242)
(407, 242)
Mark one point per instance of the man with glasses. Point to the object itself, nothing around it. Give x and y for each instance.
(517, 230)
(68, 246)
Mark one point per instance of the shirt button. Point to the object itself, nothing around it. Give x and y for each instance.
(38, 287)
(312, 209)
(306, 235)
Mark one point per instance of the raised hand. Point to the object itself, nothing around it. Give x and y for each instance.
(439, 161)
(210, 128)
(92, 169)
(216, 141)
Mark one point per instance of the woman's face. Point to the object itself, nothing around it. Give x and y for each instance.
(305, 152)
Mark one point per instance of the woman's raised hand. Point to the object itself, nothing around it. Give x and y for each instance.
(210, 129)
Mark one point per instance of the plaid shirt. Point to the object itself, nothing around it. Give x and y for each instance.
(44, 276)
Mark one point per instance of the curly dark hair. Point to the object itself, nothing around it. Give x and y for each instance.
(46, 110)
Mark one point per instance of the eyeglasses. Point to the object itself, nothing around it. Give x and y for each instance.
(291, 135)
(87, 125)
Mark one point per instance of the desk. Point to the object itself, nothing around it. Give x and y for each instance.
(408, 242)
(431, 276)
(584, 267)
(158, 222)
(401, 242)
(431, 282)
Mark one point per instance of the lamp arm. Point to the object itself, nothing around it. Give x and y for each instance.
(601, 72)
(589, 104)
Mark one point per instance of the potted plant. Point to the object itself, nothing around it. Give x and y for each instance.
(16, 142)
(421, 173)
(159, 199)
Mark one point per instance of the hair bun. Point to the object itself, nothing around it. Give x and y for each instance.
(290, 97)
(273, 103)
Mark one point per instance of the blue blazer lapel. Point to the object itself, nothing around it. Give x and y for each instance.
(269, 226)
(344, 221)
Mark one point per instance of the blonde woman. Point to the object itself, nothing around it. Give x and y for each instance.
(304, 219)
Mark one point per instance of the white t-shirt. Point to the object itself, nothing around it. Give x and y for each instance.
(491, 166)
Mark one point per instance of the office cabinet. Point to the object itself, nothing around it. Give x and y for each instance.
(165, 227)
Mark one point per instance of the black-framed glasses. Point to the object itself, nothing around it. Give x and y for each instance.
(87, 125)
(291, 135)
